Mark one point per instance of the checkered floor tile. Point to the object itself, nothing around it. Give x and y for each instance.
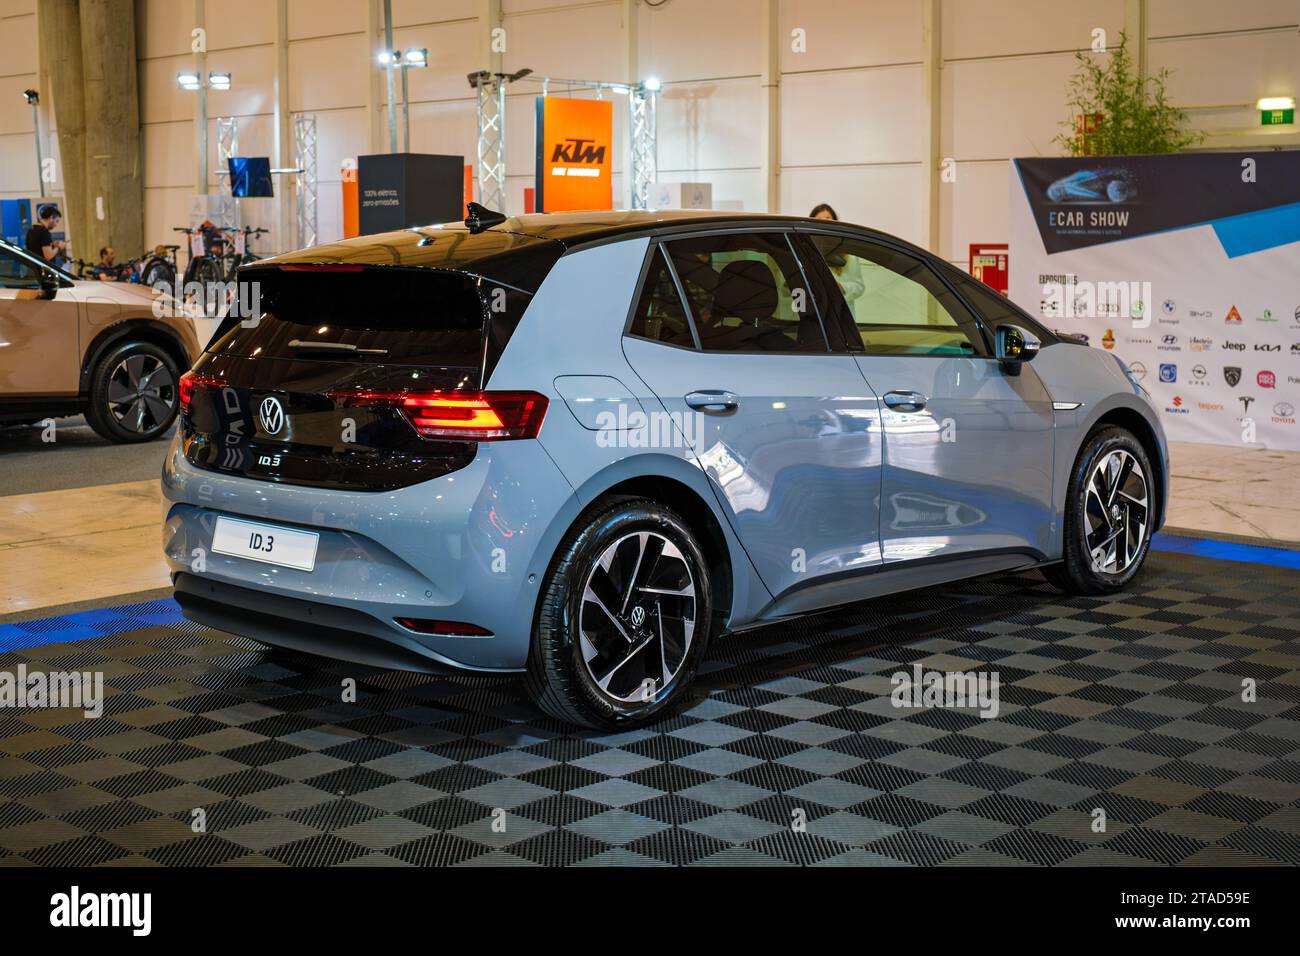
(1127, 710)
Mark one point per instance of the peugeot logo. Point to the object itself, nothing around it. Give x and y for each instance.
(271, 413)
(638, 616)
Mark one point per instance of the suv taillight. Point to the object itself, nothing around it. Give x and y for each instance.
(463, 416)
(190, 382)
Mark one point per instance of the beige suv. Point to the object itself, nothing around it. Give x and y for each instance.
(70, 346)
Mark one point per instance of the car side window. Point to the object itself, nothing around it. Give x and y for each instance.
(659, 314)
(747, 294)
(897, 303)
(16, 273)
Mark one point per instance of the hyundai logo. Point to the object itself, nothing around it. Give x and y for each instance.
(271, 413)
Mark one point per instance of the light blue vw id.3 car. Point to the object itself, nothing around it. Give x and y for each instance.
(580, 446)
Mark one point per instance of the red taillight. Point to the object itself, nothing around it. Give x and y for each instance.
(191, 382)
(454, 628)
(465, 416)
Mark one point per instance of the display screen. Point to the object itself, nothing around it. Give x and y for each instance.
(250, 177)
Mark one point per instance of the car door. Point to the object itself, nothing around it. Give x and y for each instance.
(728, 339)
(968, 446)
(38, 337)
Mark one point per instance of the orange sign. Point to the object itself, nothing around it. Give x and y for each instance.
(575, 140)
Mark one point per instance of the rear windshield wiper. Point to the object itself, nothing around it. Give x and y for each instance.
(334, 347)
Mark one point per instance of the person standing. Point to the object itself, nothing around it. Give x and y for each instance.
(40, 242)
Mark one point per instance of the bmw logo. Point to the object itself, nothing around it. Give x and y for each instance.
(1169, 306)
(271, 412)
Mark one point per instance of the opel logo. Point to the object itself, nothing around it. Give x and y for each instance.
(272, 414)
(638, 616)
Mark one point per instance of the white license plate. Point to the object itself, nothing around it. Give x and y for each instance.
(266, 543)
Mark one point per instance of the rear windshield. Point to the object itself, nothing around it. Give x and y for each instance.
(381, 316)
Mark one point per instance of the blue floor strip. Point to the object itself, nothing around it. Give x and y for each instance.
(99, 622)
(1227, 551)
(104, 622)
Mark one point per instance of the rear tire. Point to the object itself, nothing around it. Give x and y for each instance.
(133, 393)
(624, 618)
(1108, 512)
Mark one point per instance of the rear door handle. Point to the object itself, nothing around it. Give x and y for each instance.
(902, 400)
(713, 400)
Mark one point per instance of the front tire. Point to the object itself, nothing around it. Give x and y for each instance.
(133, 393)
(624, 618)
(1109, 508)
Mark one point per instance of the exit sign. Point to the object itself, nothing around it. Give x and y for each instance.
(1276, 117)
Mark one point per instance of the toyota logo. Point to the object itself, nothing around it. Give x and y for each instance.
(271, 413)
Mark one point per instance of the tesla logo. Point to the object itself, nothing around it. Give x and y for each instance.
(578, 151)
(271, 412)
(1245, 402)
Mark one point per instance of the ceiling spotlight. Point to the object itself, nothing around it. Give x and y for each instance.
(416, 58)
(188, 81)
(652, 84)
(1269, 103)
(219, 81)
(32, 97)
(388, 56)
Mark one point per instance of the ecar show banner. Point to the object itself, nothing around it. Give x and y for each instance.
(1186, 266)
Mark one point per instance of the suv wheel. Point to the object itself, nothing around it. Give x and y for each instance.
(624, 618)
(133, 393)
(1108, 515)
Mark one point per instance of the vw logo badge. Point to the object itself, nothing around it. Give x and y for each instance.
(272, 415)
(638, 616)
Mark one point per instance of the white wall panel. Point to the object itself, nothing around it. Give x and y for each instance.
(16, 8)
(236, 23)
(168, 153)
(994, 109)
(883, 197)
(448, 128)
(166, 207)
(973, 209)
(17, 164)
(854, 116)
(328, 73)
(839, 35)
(579, 43)
(162, 28)
(322, 18)
(161, 100)
(1181, 17)
(252, 81)
(453, 53)
(1229, 69)
(340, 135)
(407, 12)
(1010, 27)
(711, 125)
(693, 41)
(20, 48)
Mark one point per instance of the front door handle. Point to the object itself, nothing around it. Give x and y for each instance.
(713, 401)
(902, 400)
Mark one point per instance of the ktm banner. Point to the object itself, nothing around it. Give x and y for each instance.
(574, 142)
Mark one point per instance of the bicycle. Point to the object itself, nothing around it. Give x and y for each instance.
(234, 259)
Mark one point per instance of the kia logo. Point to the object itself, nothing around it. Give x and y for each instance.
(271, 413)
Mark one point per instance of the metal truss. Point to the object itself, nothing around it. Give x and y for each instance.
(304, 139)
(491, 89)
(227, 146)
(643, 157)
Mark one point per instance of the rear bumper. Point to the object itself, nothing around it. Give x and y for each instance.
(470, 547)
(326, 629)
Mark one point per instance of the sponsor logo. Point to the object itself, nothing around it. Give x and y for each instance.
(1198, 375)
(1169, 307)
(1176, 407)
(1267, 347)
(1267, 316)
(1245, 402)
(1284, 413)
(1168, 372)
(1198, 343)
(1231, 375)
(1137, 340)
(1266, 379)
(1295, 348)
(1233, 317)
(1233, 346)
(1108, 340)
(1200, 314)
(1210, 406)
(1138, 371)
(1169, 343)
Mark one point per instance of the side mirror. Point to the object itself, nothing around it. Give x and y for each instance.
(1015, 345)
(49, 283)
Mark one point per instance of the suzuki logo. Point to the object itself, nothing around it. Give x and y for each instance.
(578, 151)
(271, 413)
